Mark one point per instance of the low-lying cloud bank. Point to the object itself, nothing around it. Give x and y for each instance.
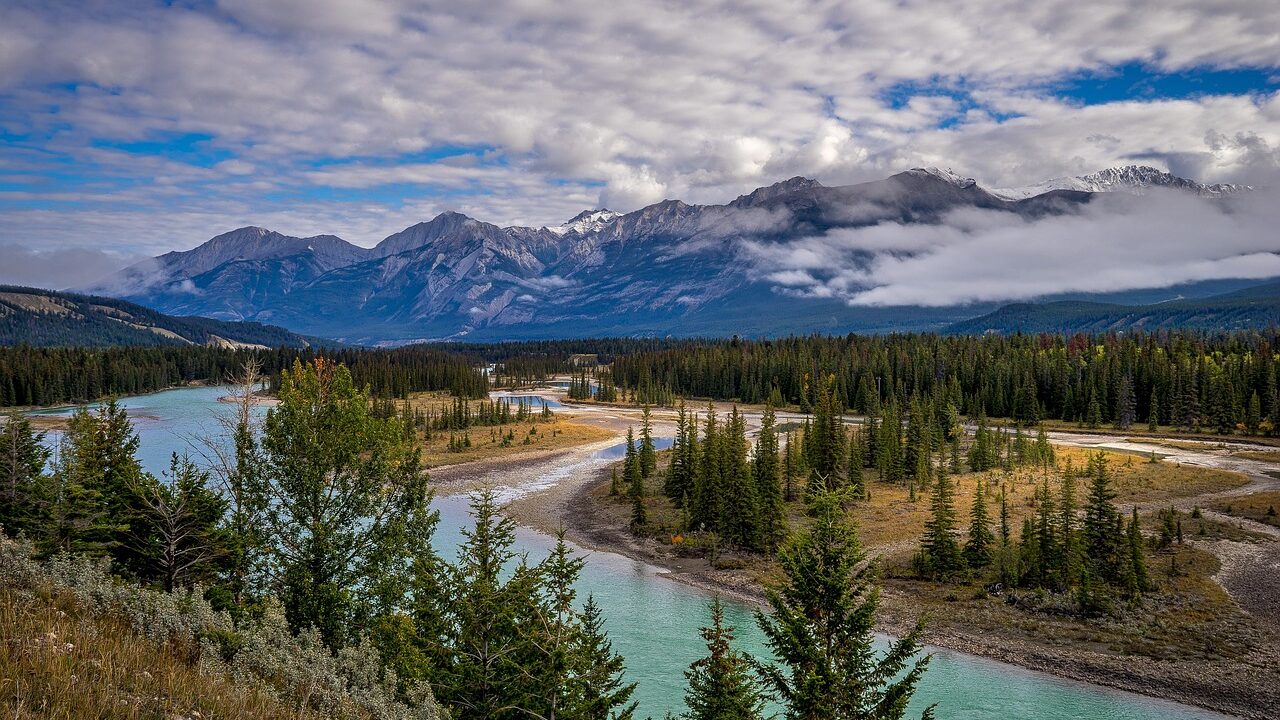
(59, 268)
(1115, 243)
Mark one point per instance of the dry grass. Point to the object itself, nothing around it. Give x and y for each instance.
(1263, 507)
(1271, 456)
(59, 663)
(486, 442)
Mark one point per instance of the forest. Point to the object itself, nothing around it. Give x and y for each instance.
(48, 376)
(1222, 383)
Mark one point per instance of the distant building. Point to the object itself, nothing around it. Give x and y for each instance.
(583, 360)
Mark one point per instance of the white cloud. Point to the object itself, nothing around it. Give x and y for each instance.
(574, 104)
(1115, 243)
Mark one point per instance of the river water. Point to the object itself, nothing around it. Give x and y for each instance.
(654, 621)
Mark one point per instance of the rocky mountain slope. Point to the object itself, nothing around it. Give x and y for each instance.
(44, 318)
(669, 268)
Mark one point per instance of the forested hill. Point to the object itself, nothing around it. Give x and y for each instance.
(45, 318)
(1253, 307)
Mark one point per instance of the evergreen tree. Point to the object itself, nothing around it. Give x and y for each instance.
(23, 457)
(1153, 413)
(472, 617)
(768, 470)
(648, 456)
(1140, 581)
(740, 522)
(978, 548)
(635, 485)
(1066, 534)
(179, 535)
(826, 442)
(721, 685)
(1253, 415)
(605, 695)
(1101, 543)
(821, 630)
(708, 494)
(940, 554)
(1126, 404)
(679, 480)
(348, 497)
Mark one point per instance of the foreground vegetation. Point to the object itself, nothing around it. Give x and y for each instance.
(294, 569)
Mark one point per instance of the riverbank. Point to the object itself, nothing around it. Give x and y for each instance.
(1244, 687)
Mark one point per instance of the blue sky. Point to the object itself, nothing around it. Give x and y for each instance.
(130, 129)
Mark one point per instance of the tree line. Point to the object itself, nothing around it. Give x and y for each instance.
(1222, 383)
(50, 376)
(323, 510)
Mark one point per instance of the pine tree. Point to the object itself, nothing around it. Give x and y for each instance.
(635, 486)
(1126, 404)
(1101, 519)
(721, 685)
(1068, 538)
(826, 442)
(708, 494)
(978, 548)
(1140, 580)
(1153, 413)
(821, 630)
(178, 535)
(940, 555)
(23, 457)
(648, 456)
(679, 480)
(471, 617)
(600, 670)
(768, 469)
(1253, 415)
(740, 522)
(857, 461)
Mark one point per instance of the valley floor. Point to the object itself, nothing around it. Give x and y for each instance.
(1207, 638)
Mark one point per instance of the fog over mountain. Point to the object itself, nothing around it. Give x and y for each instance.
(920, 249)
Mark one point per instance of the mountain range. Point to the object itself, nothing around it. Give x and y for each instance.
(670, 268)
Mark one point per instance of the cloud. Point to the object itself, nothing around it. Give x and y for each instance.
(350, 117)
(57, 269)
(1117, 242)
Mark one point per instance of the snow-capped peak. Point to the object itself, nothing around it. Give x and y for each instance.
(947, 175)
(1133, 179)
(586, 221)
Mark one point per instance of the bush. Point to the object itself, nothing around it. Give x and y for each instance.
(297, 670)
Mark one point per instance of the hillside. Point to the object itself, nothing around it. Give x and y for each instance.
(1252, 307)
(45, 318)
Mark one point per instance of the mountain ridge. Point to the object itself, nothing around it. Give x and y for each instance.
(661, 267)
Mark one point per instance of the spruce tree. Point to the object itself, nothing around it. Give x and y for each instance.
(940, 555)
(822, 630)
(767, 468)
(1101, 544)
(978, 548)
(635, 487)
(648, 456)
(740, 521)
(23, 457)
(827, 449)
(721, 685)
(605, 695)
(1140, 581)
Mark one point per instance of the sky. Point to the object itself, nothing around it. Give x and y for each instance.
(128, 129)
